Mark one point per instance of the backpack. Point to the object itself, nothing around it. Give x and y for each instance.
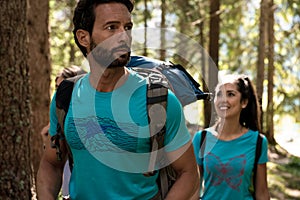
(157, 91)
(257, 156)
(181, 82)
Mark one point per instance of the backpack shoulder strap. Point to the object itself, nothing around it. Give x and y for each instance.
(202, 149)
(203, 142)
(257, 156)
(63, 99)
(157, 95)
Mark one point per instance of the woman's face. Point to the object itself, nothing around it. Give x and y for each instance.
(228, 102)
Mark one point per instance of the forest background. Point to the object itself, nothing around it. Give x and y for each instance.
(257, 38)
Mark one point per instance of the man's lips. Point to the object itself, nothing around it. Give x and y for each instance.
(124, 49)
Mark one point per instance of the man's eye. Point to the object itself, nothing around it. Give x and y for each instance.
(112, 27)
(128, 28)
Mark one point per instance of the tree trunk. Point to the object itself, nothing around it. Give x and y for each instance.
(214, 34)
(204, 69)
(270, 107)
(39, 62)
(261, 56)
(163, 32)
(70, 4)
(15, 123)
(146, 14)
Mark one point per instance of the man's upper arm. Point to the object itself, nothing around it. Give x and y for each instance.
(177, 134)
(184, 158)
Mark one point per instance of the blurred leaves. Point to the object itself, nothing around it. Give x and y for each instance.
(238, 39)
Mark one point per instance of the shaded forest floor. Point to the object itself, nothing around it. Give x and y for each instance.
(283, 174)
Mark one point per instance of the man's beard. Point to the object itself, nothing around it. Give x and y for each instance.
(106, 58)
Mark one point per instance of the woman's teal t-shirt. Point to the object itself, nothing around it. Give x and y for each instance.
(228, 165)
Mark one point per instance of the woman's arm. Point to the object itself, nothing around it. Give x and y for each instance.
(50, 172)
(196, 196)
(261, 185)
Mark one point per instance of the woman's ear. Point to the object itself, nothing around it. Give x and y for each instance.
(83, 38)
(244, 103)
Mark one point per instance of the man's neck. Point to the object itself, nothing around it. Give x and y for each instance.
(109, 79)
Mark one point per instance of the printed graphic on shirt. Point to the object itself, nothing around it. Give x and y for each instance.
(230, 172)
(101, 135)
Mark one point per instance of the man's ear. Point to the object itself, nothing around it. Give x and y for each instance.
(83, 38)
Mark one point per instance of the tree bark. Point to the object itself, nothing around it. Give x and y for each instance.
(39, 62)
(70, 4)
(146, 14)
(261, 56)
(162, 30)
(214, 34)
(15, 125)
(270, 106)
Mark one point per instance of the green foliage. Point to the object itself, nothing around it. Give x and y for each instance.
(61, 36)
(239, 36)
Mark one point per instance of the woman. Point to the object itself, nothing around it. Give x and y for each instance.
(64, 74)
(228, 159)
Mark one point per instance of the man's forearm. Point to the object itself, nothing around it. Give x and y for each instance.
(185, 187)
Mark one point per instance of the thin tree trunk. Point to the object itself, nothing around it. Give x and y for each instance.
(204, 69)
(270, 107)
(146, 13)
(261, 56)
(162, 32)
(15, 122)
(71, 4)
(214, 33)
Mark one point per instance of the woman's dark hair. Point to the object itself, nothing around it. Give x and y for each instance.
(251, 113)
(69, 72)
(84, 16)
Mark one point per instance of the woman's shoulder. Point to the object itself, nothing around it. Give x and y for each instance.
(201, 133)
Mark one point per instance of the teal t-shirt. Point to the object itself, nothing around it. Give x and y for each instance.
(228, 165)
(108, 134)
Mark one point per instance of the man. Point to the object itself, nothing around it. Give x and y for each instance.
(107, 123)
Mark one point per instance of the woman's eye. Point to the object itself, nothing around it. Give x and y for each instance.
(231, 94)
(219, 94)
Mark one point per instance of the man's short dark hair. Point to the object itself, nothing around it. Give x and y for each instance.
(84, 16)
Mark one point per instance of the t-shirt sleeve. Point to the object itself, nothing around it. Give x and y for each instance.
(196, 144)
(177, 133)
(264, 151)
(53, 117)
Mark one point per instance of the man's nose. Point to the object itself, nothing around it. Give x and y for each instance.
(124, 35)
